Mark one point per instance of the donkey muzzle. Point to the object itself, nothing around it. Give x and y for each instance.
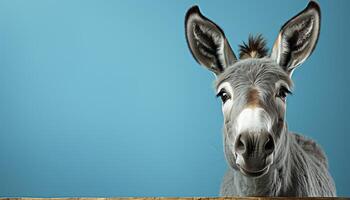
(254, 153)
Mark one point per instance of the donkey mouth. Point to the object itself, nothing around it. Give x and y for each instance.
(254, 174)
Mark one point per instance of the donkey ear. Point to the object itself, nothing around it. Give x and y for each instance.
(297, 38)
(207, 42)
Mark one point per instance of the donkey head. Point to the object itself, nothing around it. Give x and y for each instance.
(253, 89)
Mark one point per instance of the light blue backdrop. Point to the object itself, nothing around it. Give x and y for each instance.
(103, 98)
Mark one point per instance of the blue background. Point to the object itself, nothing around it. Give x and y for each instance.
(103, 98)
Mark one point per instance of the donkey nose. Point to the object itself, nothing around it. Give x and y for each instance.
(254, 143)
(269, 145)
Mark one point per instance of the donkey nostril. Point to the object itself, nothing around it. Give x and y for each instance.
(240, 145)
(269, 145)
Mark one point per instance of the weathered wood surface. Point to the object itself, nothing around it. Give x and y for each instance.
(186, 198)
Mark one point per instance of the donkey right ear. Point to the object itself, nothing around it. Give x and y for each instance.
(207, 42)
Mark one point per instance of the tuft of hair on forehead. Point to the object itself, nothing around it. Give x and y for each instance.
(255, 48)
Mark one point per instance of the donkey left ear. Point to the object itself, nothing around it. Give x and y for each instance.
(297, 38)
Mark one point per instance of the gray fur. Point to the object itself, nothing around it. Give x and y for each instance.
(296, 165)
(300, 166)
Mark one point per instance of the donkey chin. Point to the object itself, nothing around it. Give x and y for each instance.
(254, 166)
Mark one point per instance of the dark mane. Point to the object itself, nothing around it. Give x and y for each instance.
(256, 47)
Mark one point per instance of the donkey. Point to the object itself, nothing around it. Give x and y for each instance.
(264, 158)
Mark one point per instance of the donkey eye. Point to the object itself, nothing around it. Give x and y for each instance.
(223, 95)
(283, 92)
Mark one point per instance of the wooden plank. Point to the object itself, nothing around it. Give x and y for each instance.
(186, 198)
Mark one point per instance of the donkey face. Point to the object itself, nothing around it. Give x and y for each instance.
(253, 89)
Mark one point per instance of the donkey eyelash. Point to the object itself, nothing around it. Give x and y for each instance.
(221, 93)
(286, 90)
